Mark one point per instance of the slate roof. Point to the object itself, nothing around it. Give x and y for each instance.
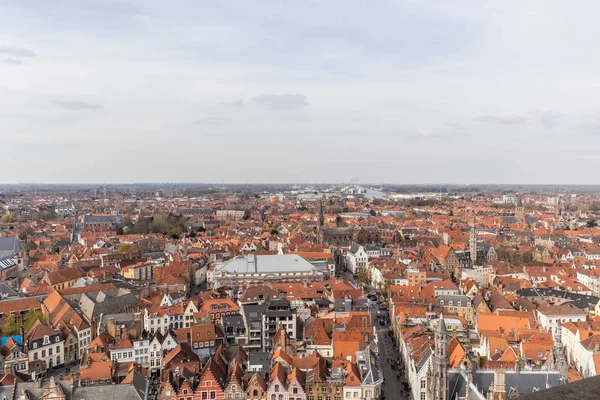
(92, 304)
(586, 389)
(523, 382)
(137, 389)
(580, 301)
(10, 244)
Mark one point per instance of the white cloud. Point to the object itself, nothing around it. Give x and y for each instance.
(281, 78)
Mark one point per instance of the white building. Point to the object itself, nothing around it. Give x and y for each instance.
(161, 319)
(159, 346)
(45, 344)
(357, 259)
(251, 269)
(552, 316)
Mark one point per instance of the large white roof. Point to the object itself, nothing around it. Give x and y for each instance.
(266, 264)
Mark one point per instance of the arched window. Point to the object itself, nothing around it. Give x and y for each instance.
(255, 393)
(233, 387)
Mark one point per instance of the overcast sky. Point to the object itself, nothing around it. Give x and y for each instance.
(300, 91)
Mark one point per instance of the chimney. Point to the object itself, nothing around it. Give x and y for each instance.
(499, 385)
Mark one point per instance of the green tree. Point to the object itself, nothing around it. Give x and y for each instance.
(31, 317)
(372, 212)
(10, 326)
(177, 231)
(339, 221)
(274, 231)
(124, 248)
(8, 218)
(363, 277)
(25, 233)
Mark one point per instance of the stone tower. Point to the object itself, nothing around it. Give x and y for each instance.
(321, 215)
(473, 242)
(557, 360)
(438, 387)
(321, 223)
(520, 212)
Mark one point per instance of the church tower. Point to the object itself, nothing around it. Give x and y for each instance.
(321, 223)
(438, 386)
(473, 242)
(520, 212)
(557, 360)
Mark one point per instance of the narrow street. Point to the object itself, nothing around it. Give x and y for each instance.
(393, 387)
(389, 358)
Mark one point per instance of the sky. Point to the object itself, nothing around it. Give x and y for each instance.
(384, 91)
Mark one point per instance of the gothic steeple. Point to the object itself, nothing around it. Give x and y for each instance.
(439, 387)
(321, 216)
(320, 223)
(520, 212)
(473, 242)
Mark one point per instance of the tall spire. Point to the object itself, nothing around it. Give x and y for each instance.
(439, 386)
(441, 326)
(321, 216)
(473, 242)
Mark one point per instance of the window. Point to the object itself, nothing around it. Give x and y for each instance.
(276, 388)
(213, 394)
(230, 395)
(35, 345)
(295, 390)
(233, 387)
(204, 395)
(423, 383)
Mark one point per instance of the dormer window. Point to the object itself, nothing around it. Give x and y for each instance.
(46, 340)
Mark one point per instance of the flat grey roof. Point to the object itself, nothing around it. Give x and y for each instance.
(267, 264)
